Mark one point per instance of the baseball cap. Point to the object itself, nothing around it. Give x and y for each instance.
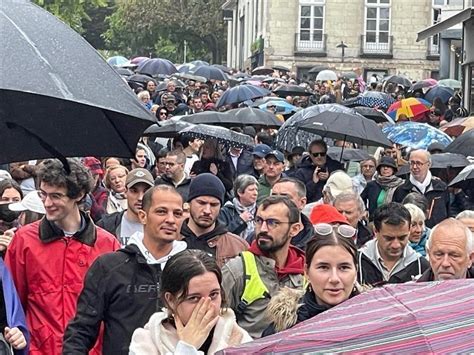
(338, 183)
(139, 175)
(277, 154)
(31, 202)
(260, 150)
(326, 214)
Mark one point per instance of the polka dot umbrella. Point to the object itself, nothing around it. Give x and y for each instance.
(222, 135)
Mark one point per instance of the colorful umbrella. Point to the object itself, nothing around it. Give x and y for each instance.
(412, 108)
(416, 135)
(282, 107)
(458, 126)
(450, 83)
(443, 92)
(430, 318)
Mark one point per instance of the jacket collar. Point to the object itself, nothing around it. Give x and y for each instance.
(87, 234)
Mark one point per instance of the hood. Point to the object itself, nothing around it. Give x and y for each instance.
(137, 240)
(219, 229)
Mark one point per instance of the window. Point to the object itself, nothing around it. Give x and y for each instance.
(377, 26)
(311, 25)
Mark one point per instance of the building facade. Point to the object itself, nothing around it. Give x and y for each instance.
(378, 36)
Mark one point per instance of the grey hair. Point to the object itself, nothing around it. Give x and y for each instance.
(416, 212)
(427, 153)
(465, 214)
(242, 182)
(351, 196)
(467, 231)
(299, 186)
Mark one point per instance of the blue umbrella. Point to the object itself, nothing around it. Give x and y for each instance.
(282, 106)
(199, 63)
(117, 60)
(443, 92)
(416, 135)
(209, 72)
(156, 66)
(375, 99)
(241, 93)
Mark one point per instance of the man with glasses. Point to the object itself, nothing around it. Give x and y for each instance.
(314, 169)
(421, 181)
(174, 173)
(271, 262)
(49, 258)
(388, 258)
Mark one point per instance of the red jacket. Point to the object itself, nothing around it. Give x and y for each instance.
(48, 270)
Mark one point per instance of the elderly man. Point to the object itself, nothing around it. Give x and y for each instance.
(421, 181)
(467, 217)
(451, 251)
(367, 172)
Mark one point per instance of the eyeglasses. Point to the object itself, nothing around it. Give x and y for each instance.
(54, 196)
(418, 163)
(343, 229)
(272, 223)
(318, 154)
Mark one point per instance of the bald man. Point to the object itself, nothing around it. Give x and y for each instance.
(451, 252)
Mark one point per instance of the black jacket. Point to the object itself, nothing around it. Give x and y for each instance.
(304, 236)
(223, 170)
(121, 290)
(437, 196)
(305, 172)
(369, 195)
(244, 164)
(429, 276)
(182, 188)
(111, 223)
(363, 234)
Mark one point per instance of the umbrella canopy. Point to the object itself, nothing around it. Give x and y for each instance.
(209, 72)
(282, 107)
(225, 69)
(167, 129)
(291, 90)
(398, 80)
(375, 99)
(316, 69)
(222, 135)
(464, 179)
(156, 66)
(262, 71)
(188, 76)
(443, 92)
(241, 93)
(458, 126)
(450, 83)
(281, 68)
(274, 80)
(416, 135)
(68, 116)
(124, 71)
(448, 160)
(462, 144)
(348, 154)
(138, 60)
(428, 317)
(264, 100)
(411, 107)
(349, 127)
(289, 136)
(246, 116)
(373, 114)
(117, 60)
(325, 75)
(427, 83)
(199, 63)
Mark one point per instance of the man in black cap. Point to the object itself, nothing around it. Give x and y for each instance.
(202, 230)
(275, 164)
(259, 163)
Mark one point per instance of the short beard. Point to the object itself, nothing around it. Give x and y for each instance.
(273, 246)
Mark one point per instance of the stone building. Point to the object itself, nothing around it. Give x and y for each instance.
(380, 35)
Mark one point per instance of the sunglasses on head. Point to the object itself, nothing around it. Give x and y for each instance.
(318, 154)
(344, 230)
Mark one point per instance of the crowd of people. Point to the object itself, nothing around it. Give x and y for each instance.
(193, 246)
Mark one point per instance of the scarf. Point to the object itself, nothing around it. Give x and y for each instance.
(250, 224)
(389, 184)
(294, 262)
(114, 200)
(422, 186)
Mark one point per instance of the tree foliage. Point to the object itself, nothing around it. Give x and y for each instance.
(152, 26)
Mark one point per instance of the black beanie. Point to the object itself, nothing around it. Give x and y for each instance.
(206, 185)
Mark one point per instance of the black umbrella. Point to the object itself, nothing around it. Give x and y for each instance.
(291, 90)
(188, 76)
(140, 79)
(47, 107)
(262, 71)
(373, 114)
(463, 144)
(225, 69)
(222, 135)
(281, 68)
(398, 80)
(124, 71)
(209, 72)
(348, 154)
(465, 179)
(346, 127)
(427, 83)
(241, 93)
(274, 80)
(167, 129)
(156, 66)
(241, 75)
(448, 160)
(246, 116)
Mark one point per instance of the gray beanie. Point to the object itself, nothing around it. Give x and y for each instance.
(206, 184)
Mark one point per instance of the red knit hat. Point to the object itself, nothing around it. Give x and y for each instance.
(326, 214)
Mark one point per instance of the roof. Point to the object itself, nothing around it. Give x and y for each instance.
(462, 16)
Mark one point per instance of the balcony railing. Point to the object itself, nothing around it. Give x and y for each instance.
(376, 47)
(304, 44)
(433, 48)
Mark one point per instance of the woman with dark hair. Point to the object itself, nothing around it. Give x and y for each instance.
(331, 270)
(10, 192)
(195, 320)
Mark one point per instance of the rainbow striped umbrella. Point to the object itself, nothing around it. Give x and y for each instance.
(412, 108)
(431, 317)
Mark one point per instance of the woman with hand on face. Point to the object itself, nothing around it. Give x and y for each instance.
(331, 270)
(115, 177)
(10, 192)
(194, 321)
